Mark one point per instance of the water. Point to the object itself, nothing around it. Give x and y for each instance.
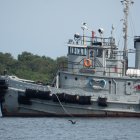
(62, 129)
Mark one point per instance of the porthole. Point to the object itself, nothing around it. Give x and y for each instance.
(65, 77)
(76, 78)
(129, 83)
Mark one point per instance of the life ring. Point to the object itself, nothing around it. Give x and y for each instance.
(97, 83)
(87, 63)
(103, 83)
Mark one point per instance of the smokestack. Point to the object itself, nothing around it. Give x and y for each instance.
(137, 55)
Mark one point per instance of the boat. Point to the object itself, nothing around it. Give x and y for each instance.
(95, 82)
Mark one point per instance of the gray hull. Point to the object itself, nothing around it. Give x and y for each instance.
(48, 108)
(72, 111)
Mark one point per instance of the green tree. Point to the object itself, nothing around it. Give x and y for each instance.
(30, 66)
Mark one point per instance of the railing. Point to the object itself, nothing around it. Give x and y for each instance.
(78, 67)
(86, 40)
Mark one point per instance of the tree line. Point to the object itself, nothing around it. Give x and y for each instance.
(30, 66)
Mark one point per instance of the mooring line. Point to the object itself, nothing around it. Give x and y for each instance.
(69, 114)
(63, 107)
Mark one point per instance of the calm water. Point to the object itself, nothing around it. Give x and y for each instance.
(62, 129)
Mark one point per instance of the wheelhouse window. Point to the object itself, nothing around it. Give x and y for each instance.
(77, 51)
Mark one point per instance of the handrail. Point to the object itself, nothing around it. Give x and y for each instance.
(64, 67)
(105, 41)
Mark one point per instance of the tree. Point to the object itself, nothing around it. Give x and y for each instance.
(30, 66)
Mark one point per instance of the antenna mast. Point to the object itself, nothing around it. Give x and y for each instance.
(126, 4)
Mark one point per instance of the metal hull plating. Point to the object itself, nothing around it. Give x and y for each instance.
(72, 111)
(117, 106)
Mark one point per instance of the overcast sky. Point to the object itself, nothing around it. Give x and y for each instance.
(44, 26)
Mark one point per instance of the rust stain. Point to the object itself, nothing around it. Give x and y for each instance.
(106, 114)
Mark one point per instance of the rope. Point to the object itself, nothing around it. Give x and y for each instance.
(63, 107)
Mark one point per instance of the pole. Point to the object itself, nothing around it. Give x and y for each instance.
(126, 4)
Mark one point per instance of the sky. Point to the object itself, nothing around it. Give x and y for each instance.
(43, 27)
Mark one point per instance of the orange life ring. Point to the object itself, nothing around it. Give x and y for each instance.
(87, 63)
